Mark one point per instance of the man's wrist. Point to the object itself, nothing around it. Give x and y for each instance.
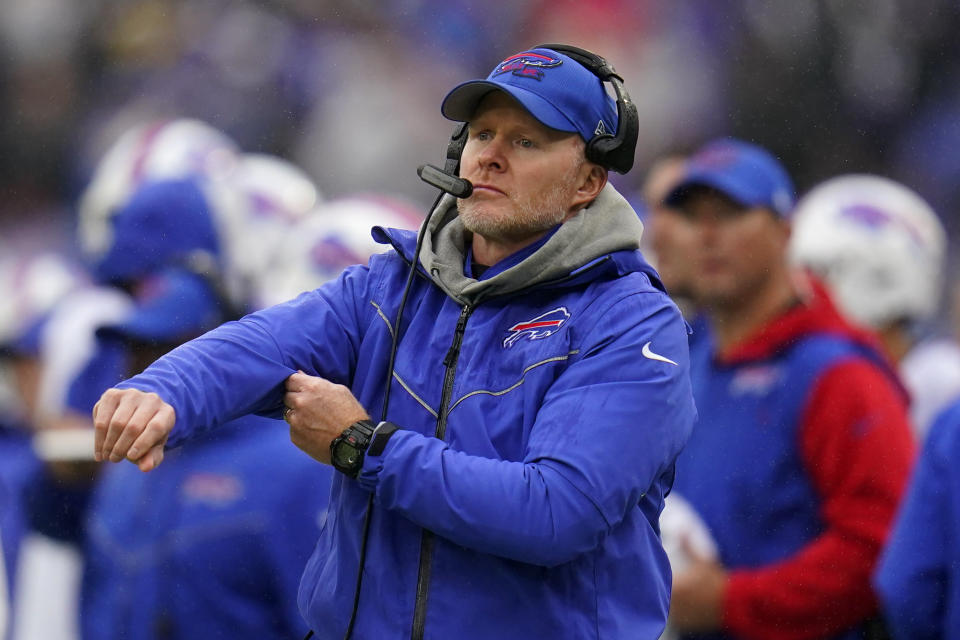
(348, 450)
(381, 435)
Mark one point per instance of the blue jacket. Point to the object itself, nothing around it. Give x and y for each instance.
(210, 545)
(541, 407)
(918, 579)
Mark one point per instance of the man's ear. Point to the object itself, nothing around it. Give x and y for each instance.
(786, 228)
(593, 178)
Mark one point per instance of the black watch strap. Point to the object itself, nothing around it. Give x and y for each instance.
(365, 427)
(380, 437)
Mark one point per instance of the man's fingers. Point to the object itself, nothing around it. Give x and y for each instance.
(132, 428)
(102, 414)
(116, 425)
(154, 435)
(152, 460)
(296, 381)
(128, 423)
(291, 399)
(98, 434)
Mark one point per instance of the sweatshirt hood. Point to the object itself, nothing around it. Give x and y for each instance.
(608, 225)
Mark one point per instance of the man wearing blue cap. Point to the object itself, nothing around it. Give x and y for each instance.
(512, 484)
(803, 446)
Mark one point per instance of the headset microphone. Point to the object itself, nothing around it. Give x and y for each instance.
(448, 182)
(436, 177)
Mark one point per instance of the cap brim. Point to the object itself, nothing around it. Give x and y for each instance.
(185, 310)
(725, 185)
(460, 104)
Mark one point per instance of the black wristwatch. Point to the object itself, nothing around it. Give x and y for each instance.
(347, 449)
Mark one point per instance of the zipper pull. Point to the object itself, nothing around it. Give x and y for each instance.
(458, 332)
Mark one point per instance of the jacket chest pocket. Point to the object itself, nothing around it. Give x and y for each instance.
(498, 394)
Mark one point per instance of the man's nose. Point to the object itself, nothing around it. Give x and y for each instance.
(492, 155)
(706, 226)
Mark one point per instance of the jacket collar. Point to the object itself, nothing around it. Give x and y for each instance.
(605, 236)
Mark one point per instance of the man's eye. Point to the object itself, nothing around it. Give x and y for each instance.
(525, 142)
(482, 135)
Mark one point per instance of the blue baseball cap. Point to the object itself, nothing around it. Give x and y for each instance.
(557, 90)
(171, 306)
(744, 172)
(164, 222)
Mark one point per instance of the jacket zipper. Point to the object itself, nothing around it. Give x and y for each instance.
(426, 537)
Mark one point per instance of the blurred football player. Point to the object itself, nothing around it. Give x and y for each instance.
(881, 250)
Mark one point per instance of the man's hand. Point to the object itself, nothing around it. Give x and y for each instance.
(697, 601)
(131, 424)
(318, 411)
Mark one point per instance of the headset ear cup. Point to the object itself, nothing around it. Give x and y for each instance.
(599, 148)
(615, 152)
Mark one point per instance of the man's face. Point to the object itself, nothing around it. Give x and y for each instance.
(673, 240)
(736, 250)
(669, 233)
(525, 176)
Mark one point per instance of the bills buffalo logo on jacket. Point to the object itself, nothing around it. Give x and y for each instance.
(527, 65)
(213, 489)
(540, 327)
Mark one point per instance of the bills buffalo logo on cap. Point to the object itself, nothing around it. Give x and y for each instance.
(718, 157)
(527, 65)
(538, 328)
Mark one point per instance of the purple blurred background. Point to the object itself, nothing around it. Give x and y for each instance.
(350, 90)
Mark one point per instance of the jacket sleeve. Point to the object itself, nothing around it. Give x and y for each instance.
(856, 443)
(917, 566)
(609, 427)
(240, 367)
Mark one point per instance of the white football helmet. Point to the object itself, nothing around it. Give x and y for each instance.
(878, 245)
(168, 149)
(31, 285)
(254, 210)
(336, 236)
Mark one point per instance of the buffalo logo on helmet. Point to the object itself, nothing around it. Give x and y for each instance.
(527, 65)
(876, 219)
(867, 215)
(540, 327)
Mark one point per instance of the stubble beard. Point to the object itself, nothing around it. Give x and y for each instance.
(531, 216)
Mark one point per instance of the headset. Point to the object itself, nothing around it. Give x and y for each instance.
(612, 151)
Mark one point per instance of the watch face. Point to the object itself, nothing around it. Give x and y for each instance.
(344, 455)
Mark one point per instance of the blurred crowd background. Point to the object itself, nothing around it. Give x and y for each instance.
(350, 91)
